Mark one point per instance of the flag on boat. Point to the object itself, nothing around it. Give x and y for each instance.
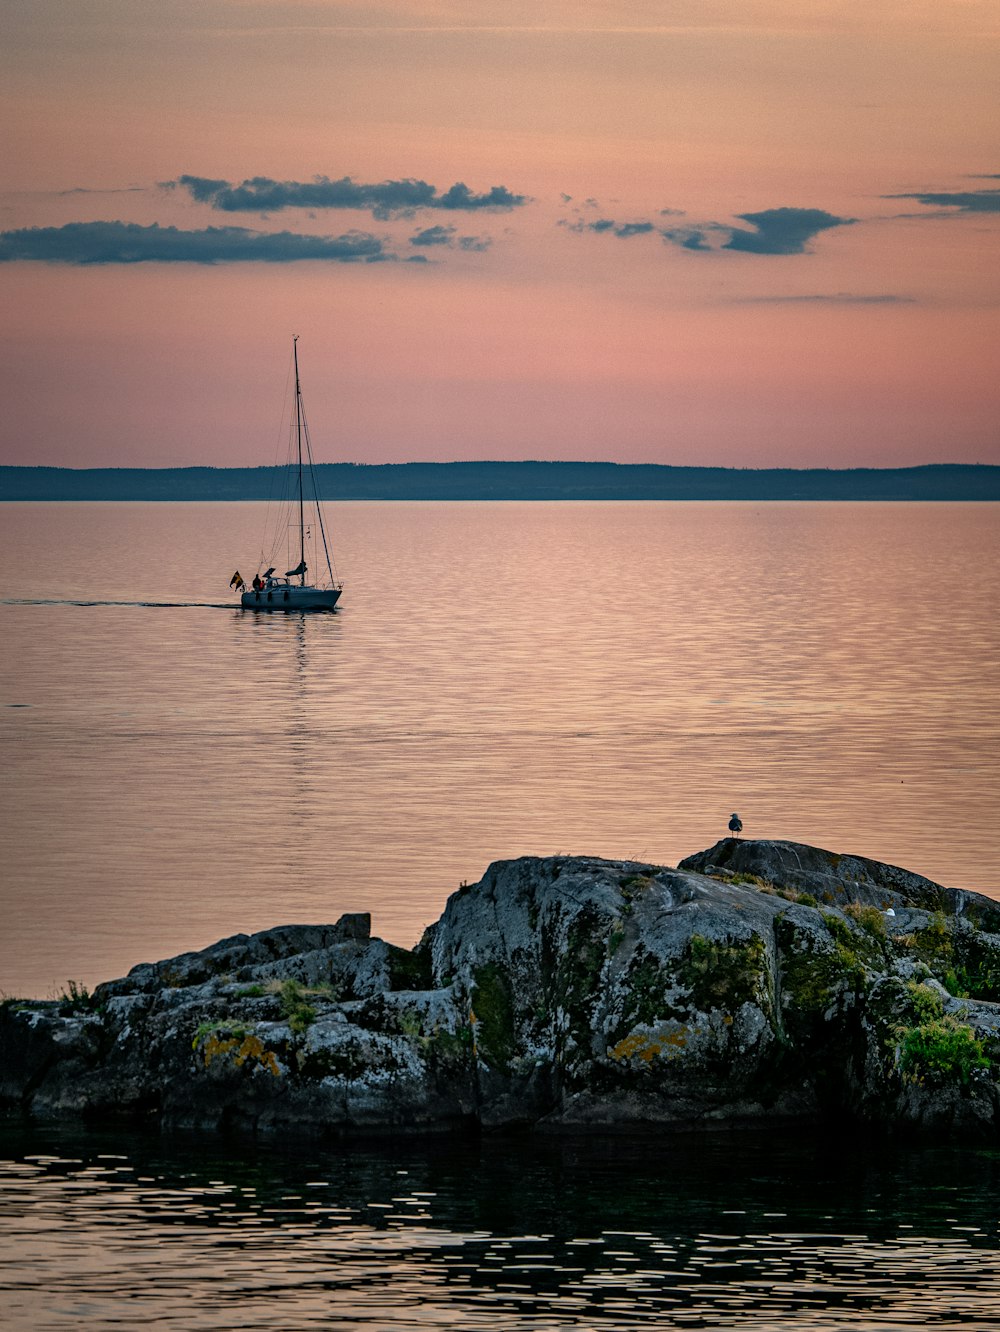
(236, 581)
(300, 568)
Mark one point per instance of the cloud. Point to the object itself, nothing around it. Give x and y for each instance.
(782, 230)
(87, 243)
(499, 197)
(433, 236)
(965, 201)
(688, 240)
(603, 225)
(828, 298)
(390, 198)
(697, 237)
(775, 230)
(124, 189)
(440, 235)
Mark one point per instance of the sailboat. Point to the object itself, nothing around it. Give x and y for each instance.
(301, 531)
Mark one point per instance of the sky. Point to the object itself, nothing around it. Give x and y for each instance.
(745, 233)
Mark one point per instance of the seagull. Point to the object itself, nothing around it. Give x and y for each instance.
(735, 824)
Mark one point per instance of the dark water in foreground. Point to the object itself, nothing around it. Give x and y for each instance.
(734, 1231)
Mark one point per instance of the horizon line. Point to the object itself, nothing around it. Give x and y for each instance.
(494, 462)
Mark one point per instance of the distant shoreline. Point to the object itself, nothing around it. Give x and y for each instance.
(509, 481)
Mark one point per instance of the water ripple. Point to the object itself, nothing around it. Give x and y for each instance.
(187, 1242)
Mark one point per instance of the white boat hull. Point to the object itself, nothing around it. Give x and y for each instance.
(291, 599)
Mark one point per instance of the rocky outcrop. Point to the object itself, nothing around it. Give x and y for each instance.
(759, 981)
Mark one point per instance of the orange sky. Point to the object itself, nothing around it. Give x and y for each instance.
(620, 308)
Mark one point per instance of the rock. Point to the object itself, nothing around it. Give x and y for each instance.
(759, 981)
(835, 879)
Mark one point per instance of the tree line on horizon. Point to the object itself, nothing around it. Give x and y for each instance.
(528, 480)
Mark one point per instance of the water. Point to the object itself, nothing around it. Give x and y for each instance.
(501, 679)
(718, 1232)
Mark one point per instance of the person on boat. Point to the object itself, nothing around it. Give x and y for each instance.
(258, 582)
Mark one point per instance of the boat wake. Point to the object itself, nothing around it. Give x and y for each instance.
(91, 601)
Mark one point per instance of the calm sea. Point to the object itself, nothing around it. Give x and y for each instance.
(501, 679)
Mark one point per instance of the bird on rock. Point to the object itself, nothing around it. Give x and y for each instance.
(735, 824)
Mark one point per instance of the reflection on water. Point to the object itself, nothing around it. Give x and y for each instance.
(500, 680)
(720, 1232)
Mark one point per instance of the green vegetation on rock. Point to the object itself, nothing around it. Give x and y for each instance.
(965, 960)
(574, 971)
(299, 1014)
(814, 977)
(940, 1051)
(235, 1031)
(76, 998)
(649, 996)
(725, 973)
(870, 918)
(449, 1050)
(773, 889)
(854, 947)
(935, 1047)
(494, 1015)
(633, 886)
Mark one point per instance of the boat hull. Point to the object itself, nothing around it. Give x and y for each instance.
(291, 599)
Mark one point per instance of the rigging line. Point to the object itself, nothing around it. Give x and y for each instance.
(331, 567)
(281, 541)
(298, 440)
(278, 488)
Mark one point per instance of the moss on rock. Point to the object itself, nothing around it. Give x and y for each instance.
(493, 1015)
(815, 973)
(726, 973)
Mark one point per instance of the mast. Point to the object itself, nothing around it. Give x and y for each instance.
(298, 441)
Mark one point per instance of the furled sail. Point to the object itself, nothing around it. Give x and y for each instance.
(300, 568)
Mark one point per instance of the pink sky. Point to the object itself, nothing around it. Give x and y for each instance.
(610, 302)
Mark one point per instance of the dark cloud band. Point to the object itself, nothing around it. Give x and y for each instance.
(446, 236)
(88, 243)
(390, 198)
(774, 231)
(606, 224)
(433, 236)
(782, 230)
(829, 298)
(965, 201)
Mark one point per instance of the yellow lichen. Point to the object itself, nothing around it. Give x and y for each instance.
(251, 1047)
(214, 1047)
(646, 1046)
